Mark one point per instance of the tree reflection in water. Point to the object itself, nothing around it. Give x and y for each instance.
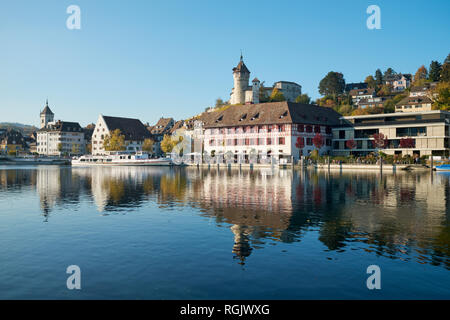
(400, 216)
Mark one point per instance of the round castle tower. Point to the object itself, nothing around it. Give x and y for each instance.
(241, 76)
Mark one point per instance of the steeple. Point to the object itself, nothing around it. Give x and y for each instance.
(46, 115)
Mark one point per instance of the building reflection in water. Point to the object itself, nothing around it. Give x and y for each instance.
(400, 216)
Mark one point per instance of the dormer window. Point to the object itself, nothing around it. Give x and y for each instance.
(283, 115)
(219, 119)
(256, 116)
(243, 117)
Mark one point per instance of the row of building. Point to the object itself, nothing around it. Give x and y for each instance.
(418, 99)
(281, 129)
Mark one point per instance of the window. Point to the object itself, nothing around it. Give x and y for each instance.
(309, 141)
(261, 141)
(269, 141)
(300, 128)
(308, 129)
(281, 140)
(317, 129)
(341, 134)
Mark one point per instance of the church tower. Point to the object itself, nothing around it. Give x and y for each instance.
(46, 115)
(241, 76)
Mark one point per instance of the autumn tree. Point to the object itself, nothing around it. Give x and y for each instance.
(167, 144)
(332, 84)
(370, 80)
(277, 96)
(115, 141)
(435, 71)
(148, 145)
(442, 96)
(407, 143)
(300, 144)
(303, 98)
(75, 148)
(351, 144)
(318, 141)
(421, 74)
(380, 141)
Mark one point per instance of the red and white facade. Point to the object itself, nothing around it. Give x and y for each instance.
(280, 140)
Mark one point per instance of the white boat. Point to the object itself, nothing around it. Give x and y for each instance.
(121, 159)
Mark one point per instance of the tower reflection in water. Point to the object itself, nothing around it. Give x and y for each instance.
(400, 216)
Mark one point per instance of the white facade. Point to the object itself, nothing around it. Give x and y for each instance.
(55, 143)
(101, 130)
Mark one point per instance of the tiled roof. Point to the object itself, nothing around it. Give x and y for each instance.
(132, 129)
(162, 126)
(241, 67)
(270, 113)
(179, 124)
(414, 100)
(360, 92)
(63, 126)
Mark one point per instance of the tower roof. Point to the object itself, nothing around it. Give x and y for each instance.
(241, 67)
(46, 109)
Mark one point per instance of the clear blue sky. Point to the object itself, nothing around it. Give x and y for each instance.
(148, 59)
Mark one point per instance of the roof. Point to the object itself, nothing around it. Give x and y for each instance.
(161, 126)
(62, 126)
(47, 110)
(132, 129)
(271, 113)
(179, 124)
(12, 137)
(241, 67)
(359, 85)
(256, 80)
(397, 76)
(414, 100)
(360, 92)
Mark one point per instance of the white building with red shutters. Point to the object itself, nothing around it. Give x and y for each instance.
(279, 129)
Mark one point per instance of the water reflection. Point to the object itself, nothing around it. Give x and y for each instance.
(399, 216)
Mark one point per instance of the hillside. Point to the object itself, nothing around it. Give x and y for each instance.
(25, 129)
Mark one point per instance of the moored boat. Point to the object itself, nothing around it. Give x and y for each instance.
(121, 159)
(443, 167)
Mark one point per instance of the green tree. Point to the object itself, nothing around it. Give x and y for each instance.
(389, 72)
(277, 96)
(378, 77)
(60, 147)
(114, 141)
(303, 98)
(435, 71)
(445, 72)
(370, 80)
(332, 84)
(148, 145)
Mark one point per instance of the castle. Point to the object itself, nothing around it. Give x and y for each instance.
(243, 93)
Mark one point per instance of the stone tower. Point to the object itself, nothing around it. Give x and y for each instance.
(241, 76)
(256, 84)
(46, 115)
